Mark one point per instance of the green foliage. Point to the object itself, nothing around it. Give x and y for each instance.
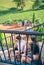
(9, 11)
(37, 3)
(33, 17)
(40, 29)
(0, 38)
(42, 6)
(20, 3)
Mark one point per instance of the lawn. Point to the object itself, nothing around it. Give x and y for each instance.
(9, 13)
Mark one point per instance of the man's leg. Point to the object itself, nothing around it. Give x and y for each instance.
(23, 58)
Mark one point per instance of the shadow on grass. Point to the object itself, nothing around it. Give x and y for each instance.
(15, 10)
(11, 22)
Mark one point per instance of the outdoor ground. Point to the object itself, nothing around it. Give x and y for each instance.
(11, 27)
(9, 13)
(4, 64)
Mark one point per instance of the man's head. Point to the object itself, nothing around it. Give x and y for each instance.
(33, 38)
(18, 37)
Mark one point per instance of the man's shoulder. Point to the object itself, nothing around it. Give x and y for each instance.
(23, 41)
(35, 46)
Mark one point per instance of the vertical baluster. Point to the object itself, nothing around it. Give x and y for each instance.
(20, 47)
(1, 48)
(3, 51)
(13, 49)
(40, 52)
(19, 39)
(10, 41)
(0, 57)
(26, 46)
(7, 47)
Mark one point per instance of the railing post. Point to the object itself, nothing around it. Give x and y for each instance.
(7, 48)
(13, 49)
(19, 33)
(19, 39)
(3, 51)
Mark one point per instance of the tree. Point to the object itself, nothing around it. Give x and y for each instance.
(33, 17)
(0, 38)
(37, 3)
(20, 3)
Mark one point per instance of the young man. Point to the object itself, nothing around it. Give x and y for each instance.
(21, 44)
(20, 47)
(33, 54)
(27, 57)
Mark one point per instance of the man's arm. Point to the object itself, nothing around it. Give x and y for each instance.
(11, 49)
(23, 47)
(36, 57)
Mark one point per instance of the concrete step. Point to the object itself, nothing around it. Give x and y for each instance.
(4, 64)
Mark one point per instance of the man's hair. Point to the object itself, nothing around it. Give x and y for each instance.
(18, 37)
(33, 38)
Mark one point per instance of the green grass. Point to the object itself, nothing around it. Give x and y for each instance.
(9, 13)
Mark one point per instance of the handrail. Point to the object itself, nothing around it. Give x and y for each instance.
(16, 32)
(21, 32)
(34, 26)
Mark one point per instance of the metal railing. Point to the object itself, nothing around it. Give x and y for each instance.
(11, 36)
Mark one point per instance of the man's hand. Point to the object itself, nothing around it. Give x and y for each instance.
(17, 53)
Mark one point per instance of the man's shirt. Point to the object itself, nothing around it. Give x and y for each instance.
(22, 43)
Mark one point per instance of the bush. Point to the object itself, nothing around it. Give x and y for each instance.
(1, 38)
(42, 6)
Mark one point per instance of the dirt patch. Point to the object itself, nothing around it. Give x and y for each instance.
(12, 27)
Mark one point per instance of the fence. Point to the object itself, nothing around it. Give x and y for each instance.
(5, 55)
